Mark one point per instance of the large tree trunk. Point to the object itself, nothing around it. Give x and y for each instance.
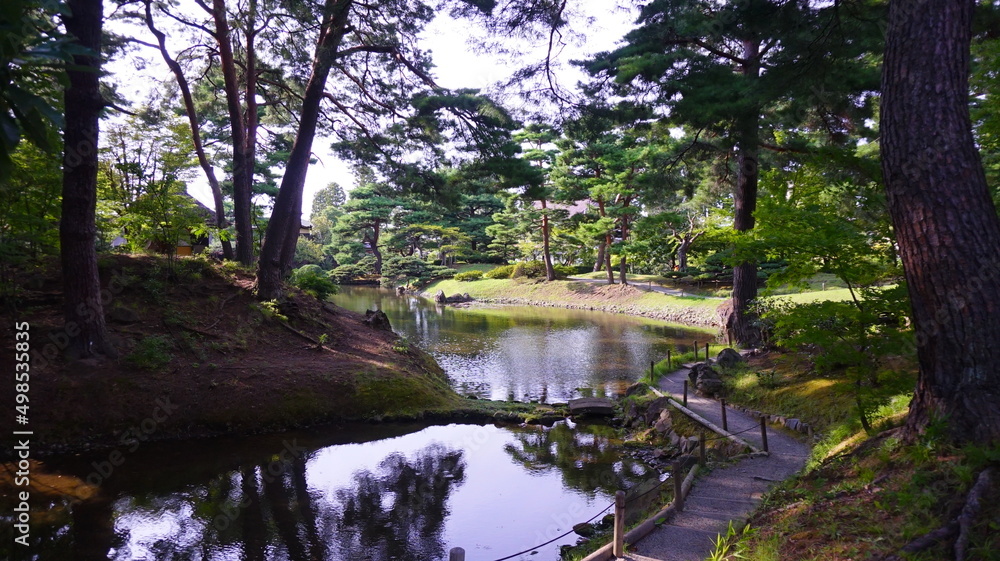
(622, 265)
(286, 219)
(84, 312)
(946, 224)
(603, 211)
(242, 151)
(199, 148)
(742, 322)
(550, 272)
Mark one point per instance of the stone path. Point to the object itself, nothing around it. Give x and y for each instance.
(727, 493)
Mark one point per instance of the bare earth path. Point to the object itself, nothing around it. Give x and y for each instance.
(727, 493)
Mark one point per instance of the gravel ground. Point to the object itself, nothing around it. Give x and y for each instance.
(725, 494)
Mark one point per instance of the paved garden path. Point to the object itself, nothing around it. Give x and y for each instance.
(726, 493)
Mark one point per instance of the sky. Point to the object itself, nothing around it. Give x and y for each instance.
(457, 66)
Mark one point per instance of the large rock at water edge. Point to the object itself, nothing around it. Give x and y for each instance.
(655, 407)
(592, 406)
(729, 358)
(377, 320)
(440, 298)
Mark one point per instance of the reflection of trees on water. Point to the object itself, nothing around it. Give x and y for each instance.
(269, 512)
(587, 457)
(398, 512)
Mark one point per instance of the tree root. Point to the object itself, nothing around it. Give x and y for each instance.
(970, 511)
(961, 525)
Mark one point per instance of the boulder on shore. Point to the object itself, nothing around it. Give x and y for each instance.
(592, 406)
(728, 358)
(377, 320)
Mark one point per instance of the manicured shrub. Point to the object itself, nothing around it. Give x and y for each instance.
(313, 279)
(501, 272)
(469, 276)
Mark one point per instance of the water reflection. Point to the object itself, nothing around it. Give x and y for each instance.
(527, 353)
(399, 492)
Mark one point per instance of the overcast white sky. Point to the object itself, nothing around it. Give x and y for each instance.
(458, 66)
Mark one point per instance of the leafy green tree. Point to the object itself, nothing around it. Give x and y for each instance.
(366, 214)
(330, 196)
(720, 67)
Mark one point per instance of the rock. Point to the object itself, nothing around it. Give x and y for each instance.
(637, 388)
(440, 298)
(631, 412)
(584, 529)
(549, 419)
(729, 358)
(792, 424)
(592, 406)
(377, 320)
(400, 290)
(654, 408)
(664, 423)
(709, 382)
(659, 453)
(121, 314)
(506, 417)
(697, 370)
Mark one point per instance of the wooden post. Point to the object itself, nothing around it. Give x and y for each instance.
(701, 449)
(678, 486)
(651, 374)
(696, 351)
(670, 362)
(618, 549)
(685, 392)
(456, 554)
(707, 358)
(725, 422)
(763, 431)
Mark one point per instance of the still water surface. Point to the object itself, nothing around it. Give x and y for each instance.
(376, 492)
(527, 353)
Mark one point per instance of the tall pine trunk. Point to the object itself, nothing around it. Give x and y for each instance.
(84, 311)
(286, 219)
(242, 151)
(599, 263)
(742, 321)
(945, 221)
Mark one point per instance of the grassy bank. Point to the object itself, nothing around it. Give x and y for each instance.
(199, 356)
(861, 496)
(583, 295)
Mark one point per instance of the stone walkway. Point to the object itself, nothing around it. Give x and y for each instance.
(725, 494)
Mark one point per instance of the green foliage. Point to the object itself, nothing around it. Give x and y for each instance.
(314, 280)
(529, 269)
(856, 337)
(345, 274)
(469, 276)
(271, 309)
(398, 270)
(151, 353)
(501, 272)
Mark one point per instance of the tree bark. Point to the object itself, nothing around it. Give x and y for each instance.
(84, 312)
(622, 265)
(599, 263)
(242, 154)
(603, 211)
(742, 321)
(550, 272)
(946, 223)
(213, 182)
(286, 218)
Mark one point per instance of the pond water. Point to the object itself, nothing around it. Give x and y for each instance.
(527, 353)
(374, 492)
(367, 492)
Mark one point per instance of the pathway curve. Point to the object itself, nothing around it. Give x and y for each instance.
(725, 494)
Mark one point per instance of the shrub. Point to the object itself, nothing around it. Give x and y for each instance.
(529, 269)
(469, 276)
(501, 272)
(398, 270)
(313, 280)
(563, 271)
(347, 273)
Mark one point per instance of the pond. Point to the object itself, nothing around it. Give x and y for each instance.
(363, 492)
(375, 492)
(527, 353)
